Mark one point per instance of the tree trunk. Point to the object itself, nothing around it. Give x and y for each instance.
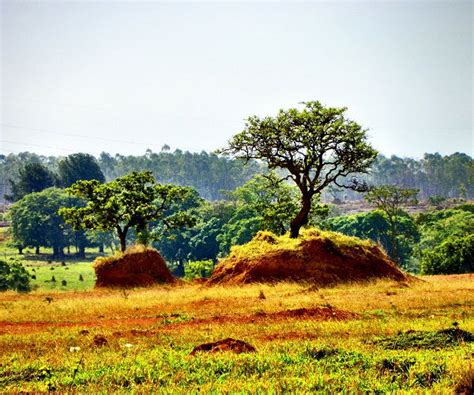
(393, 242)
(302, 217)
(37, 250)
(58, 252)
(20, 250)
(81, 252)
(101, 249)
(122, 234)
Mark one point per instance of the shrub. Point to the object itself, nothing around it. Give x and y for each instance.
(454, 255)
(13, 276)
(198, 269)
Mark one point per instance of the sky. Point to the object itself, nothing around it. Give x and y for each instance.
(123, 77)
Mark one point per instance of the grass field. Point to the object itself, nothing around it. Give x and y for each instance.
(47, 338)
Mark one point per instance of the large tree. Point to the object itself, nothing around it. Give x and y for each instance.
(36, 223)
(76, 167)
(32, 177)
(128, 202)
(318, 146)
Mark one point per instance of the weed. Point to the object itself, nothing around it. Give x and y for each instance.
(426, 340)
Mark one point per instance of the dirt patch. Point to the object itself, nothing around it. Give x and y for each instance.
(321, 313)
(137, 267)
(99, 341)
(289, 336)
(320, 258)
(229, 344)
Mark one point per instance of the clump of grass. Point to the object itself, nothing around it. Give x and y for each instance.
(426, 340)
(266, 242)
(466, 383)
(133, 249)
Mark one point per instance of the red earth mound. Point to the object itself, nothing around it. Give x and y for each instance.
(319, 258)
(137, 267)
(229, 344)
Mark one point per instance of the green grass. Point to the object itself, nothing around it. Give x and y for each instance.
(42, 267)
(42, 276)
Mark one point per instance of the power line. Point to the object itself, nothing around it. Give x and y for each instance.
(36, 145)
(77, 135)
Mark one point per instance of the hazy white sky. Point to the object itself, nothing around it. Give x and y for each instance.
(124, 77)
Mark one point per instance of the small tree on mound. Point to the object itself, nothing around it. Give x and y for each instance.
(131, 201)
(318, 146)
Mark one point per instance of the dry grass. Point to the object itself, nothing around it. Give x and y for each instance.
(163, 324)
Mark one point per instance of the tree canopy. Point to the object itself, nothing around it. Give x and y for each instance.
(318, 146)
(78, 167)
(128, 202)
(35, 220)
(32, 177)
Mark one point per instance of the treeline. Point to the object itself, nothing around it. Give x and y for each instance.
(208, 173)
(450, 176)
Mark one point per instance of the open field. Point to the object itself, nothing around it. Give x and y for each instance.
(47, 338)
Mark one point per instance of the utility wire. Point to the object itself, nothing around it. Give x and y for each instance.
(77, 135)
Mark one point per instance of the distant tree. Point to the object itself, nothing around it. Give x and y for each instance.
(35, 220)
(318, 146)
(391, 200)
(32, 177)
(265, 196)
(375, 225)
(452, 256)
(78, 167)
(131, 201)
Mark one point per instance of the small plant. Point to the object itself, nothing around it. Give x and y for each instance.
(14, 276)
(53, 279)
(81, 278)
(63, 283)
(466, 382)
(52, 268)
(261, 295)
(63, 263)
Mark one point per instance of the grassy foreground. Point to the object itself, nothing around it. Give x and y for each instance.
(47, 339)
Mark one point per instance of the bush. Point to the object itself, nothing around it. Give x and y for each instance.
(13, 276)
(198, 269)
(454, 255)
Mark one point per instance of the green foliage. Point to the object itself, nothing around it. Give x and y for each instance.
(446, 245)
(317, 146)
(13, 276)
(32, 177)
(454, 255)
(131, 201)
(391, 199)
(35, 220)
(198, 269)
(420, 339)
(78, 167)
(375, 225)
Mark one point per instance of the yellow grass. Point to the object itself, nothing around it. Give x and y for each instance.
(164, 323)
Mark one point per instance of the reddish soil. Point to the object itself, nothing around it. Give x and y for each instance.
(318, 261)
(229, 344)
(316, 313)
(133, 269)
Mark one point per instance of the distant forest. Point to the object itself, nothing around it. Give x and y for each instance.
(450, 176)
